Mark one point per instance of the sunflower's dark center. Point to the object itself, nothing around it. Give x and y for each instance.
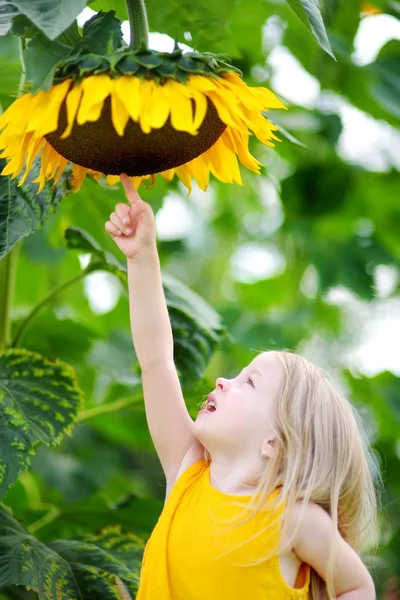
(97, 146)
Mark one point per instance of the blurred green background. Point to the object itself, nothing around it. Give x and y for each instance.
(305, 256)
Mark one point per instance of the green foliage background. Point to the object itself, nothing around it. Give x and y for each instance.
(78, 468)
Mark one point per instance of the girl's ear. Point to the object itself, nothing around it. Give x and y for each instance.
(269, 448)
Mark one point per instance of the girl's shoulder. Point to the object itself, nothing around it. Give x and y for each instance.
(194, 454)
(305, 520)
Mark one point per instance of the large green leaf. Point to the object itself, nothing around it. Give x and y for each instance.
(7, 12)
(102, 33)
(197, 328)
(381, 394)
(52, 17)
(22, 211)
(105, 565)
(41, 57)
(386, 87)
(309, 13)
(39, 401)
(10, 70)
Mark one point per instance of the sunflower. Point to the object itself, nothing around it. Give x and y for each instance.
(139, 112)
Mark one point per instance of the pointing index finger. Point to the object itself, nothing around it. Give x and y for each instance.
(131, 192)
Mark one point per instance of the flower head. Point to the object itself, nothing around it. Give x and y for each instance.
(121, 116)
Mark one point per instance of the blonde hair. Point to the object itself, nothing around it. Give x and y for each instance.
(322, 456)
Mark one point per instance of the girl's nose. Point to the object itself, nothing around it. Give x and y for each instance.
(222, 383)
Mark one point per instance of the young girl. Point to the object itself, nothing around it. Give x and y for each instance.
(269, 494)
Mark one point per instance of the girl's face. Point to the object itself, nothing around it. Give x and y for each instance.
(245, 407)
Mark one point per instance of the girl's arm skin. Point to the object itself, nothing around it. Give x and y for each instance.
(351, 579)
(169, 422)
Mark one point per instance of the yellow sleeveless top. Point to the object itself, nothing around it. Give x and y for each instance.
(182, 558)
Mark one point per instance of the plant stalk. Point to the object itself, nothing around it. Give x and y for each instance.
(138, 24)
(106, 408)
(8, 273)
(8, 265)
(26, 322)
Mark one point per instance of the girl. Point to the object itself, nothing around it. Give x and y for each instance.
(269, 494)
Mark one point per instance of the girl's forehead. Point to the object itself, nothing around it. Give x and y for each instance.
(265, 362)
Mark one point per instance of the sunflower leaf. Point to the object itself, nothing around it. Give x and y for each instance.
(7, 14)
(41, 58)
(21, 211)
(128, 65)
(52, 17)
(196, 327)
(39, 400)
(309, 13)
(105, 565)
(102, 34)
(150, 61)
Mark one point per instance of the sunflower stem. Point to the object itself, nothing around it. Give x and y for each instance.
(8, 273)
(8, 265)
(139, 27)
(26, 322)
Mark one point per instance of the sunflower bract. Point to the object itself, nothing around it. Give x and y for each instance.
(107, 125)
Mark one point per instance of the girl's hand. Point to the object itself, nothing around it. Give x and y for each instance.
(132, 226)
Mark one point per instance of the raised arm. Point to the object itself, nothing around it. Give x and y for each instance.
(169, 422)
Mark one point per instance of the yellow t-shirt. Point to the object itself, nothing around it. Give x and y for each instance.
(182, 556)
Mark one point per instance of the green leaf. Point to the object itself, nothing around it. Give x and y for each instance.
(309, 13)
(386, 88)
(52, 17)
(102, 33)
(10, 69)
(39, 401)
(90, 566)
(197, 328)
(23, 27)
(41, 58)
(7, 13)
(22, 211)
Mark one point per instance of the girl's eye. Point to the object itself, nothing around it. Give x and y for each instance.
(251, 381)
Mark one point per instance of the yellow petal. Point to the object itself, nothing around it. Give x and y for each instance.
(201, 106)
(73, 101)
(185, 177)
(200, 171)
(35, 146)
(219, 163)
(41, 179)
(61, 166)
(16, 110)
(10, 144)
(112, 179)
(168, 174)
(230, 160)
(137, 181)
(50, 121)
(119, 114)
(16, 165)
(95, 90)
(181, 106)
(52, 163)
(226, 110)
(261, 127)
(95, 174)
(38, 112)
(127, 89)
(159, 108)
(263, 96)
(78, 177)
(240, 140)
(146, 92)
(268, 98)
(203, 84)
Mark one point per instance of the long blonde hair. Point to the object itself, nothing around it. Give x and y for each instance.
(322, 456)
